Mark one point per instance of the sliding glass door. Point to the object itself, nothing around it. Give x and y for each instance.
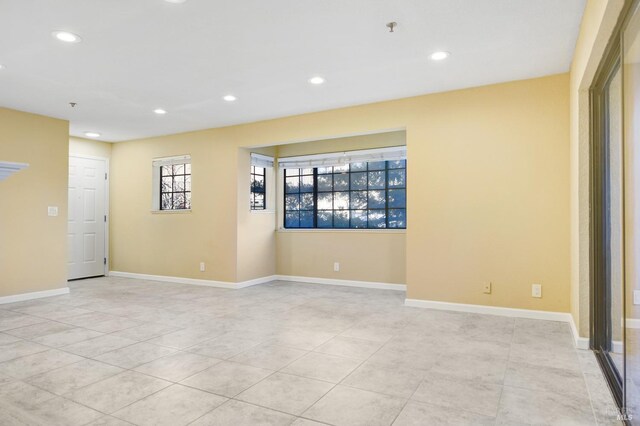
(615, 214)
(631, 309)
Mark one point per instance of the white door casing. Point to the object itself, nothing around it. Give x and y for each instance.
(86, 229)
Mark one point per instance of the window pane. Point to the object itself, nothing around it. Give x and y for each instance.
(306, 219)
(325, 219)
(376, 180)
(187, 183)
(376, 200)
(358, 200)
(325, 201)
(167, 184)
(397, 198)
(325, 182)
(187, 200)
(187, 169)
(292, 185)
(178, 183)
(178, 169)
(291, 172)
(341, 182)
(341, 219)
(358, 167)
(377, 219)
(166, 203)
(397, 178)
(400, 164)
(358, 181)
(376, 165)
(358, 218)
(307, 184)
(165, 170)
(178, 200)
(292, 202)
(306, 172)
(397, 218)
(340, 169)
(325, 170)
(292, 220)
(306, 202)
(258, 201)
(258, 183)
(340, 200)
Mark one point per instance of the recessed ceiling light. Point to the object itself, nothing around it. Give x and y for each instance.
(438, 56)
(229, 98)
(160, 111)
(67, 37)
(92, 134)
(316, 80)
(1, 67)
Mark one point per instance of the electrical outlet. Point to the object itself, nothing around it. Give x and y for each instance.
(336, 267)
(487, 288)
(52, 211)
(536, 290)
(202, 267)
(636, 297)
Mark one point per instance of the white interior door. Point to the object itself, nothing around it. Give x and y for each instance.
(87, 217)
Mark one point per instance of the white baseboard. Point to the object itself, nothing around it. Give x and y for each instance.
(580, 342)
(33, 295)
(346, 283)
(193, 281)
(632, 323)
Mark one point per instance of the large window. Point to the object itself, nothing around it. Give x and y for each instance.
(258, 188)
(175, 186)
(356, 195)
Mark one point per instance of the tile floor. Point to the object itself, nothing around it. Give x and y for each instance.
(119, 351)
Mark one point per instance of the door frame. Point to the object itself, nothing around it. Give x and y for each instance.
(106, 205)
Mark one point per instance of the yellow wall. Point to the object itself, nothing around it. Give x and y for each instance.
(313, 253)
(88, 147)
(256, 241)
(33, 246)
(488, 192)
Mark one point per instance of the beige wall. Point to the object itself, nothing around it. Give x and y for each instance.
(487, 198)
(88, 147)
(174, 244)
(598, 21)
(256, 245)
(373, 255)
(33, 251)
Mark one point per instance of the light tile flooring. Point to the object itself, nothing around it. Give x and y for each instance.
(118, 351)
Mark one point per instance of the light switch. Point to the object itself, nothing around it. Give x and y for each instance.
(52, 210)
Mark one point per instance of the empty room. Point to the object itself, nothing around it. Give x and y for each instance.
(307, 213)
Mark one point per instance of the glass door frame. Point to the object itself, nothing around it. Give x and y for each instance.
(600, 297)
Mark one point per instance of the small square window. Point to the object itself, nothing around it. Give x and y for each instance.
(175, 186)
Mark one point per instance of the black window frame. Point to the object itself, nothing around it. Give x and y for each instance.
(252, 196)
(315, 174)
(173, 175)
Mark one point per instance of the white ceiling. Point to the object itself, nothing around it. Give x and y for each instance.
(137, 55)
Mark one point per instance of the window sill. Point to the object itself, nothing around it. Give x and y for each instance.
(341, 231)
(181, 211)
(267, 211)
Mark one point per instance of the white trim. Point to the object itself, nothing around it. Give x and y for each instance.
(193, 281)
(580, 342)
(33, 295)
(392, 153)
(8, 168)
(260, 160)
(346, 283)
(632, 323)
